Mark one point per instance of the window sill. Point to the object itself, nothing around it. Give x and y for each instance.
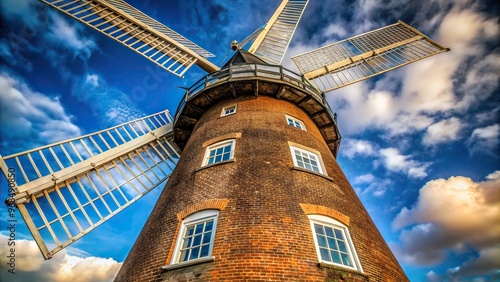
(338, 271)
(313, 172)
(215, 164)
(187, 263)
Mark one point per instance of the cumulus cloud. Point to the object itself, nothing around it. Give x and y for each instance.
(374, 186)
(411, 100)
(365, 178)
(31, 116)
(30, 265)
(455, 214)
(485, 263)
(356, 147)
(484, 139)
(394, 161)
(390, 158)
(442, 131)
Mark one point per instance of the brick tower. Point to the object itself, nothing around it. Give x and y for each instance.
(257, 194)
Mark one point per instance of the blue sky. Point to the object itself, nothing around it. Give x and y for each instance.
(420, 144)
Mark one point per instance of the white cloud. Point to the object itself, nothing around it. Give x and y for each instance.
(335, 30)
(31, 116)
(70, 36)
(109, 104)
(354, 147)
(365, 178)
(30, 265)
(486, 262)
(442, 131)
(484, 139)
(408, 101)
(378, 187)
(432, 276)
(394, 161)
(93, 79)
(453, 214)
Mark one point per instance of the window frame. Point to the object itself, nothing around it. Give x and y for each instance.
(216, 146)
(335, 224)
(195, 218)
(224, 109)
(319, 160)
(294, 119)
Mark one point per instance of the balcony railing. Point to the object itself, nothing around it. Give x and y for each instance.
(250, 72)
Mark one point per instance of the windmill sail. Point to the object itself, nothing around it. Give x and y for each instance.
(366, 55)
(67, 189)
(139, 32)
(273, 41)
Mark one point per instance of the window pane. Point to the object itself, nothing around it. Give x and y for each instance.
(335, 257)
(318, 228)
(346, 260)
(184, 255)
(190, 230)
(197, 240)
(324, 254)
(204, 251)
(194, 253)
(329, 231)
(321, 241)
(338, 234)
(331, 243)
(199, 228)
(218, 158)
(206, 238)
(187, 242)
(342, 246)
(209, 225)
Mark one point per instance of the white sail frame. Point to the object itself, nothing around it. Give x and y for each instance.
(66, 189)
(138, 32)
(364, 56)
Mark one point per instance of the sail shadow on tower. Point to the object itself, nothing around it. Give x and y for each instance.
(254, 190)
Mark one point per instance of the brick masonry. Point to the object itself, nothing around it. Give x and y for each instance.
(263, 231)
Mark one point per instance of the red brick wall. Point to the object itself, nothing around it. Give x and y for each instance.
(263, 233)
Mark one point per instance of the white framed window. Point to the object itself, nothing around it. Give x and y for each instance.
(196, 237)
(219, 152)
(307, 160)
(333, 242)
(229, 110)
(295, 122)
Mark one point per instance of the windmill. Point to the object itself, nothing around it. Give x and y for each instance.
(67, 189)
